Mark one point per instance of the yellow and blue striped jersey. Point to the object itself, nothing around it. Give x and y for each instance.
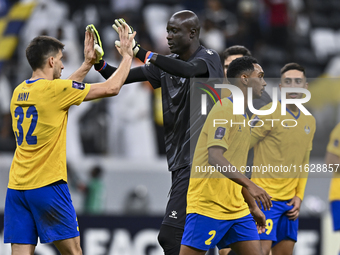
(282, 144)
(39, 112)
(334, 148)
(211, 193)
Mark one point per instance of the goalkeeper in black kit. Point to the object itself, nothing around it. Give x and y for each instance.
(172, 73)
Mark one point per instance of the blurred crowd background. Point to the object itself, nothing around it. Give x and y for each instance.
(129, 126)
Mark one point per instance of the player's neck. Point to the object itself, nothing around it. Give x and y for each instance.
(292, 107)
(193, 48)
(41, 74)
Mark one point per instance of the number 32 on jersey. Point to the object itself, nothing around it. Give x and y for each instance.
(32, 114)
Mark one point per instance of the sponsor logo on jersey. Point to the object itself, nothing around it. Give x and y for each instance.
(173, 215)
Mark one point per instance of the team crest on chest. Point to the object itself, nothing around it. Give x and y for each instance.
(307, 129)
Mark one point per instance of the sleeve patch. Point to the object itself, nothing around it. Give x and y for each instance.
(220, 132)
(336, 143)
(78, 85)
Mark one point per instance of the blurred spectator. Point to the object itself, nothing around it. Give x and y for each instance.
(6, 136)
(212, 37)
(221, 19)
(278, 23)
(40, 23)
(121, 6)
(156, 17)
(5, 98)
(73, 180)
(94, 192)
(137, 201)
(131, 131)
(249, 33)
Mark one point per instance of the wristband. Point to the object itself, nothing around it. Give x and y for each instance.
(100, 66)
(148, 57)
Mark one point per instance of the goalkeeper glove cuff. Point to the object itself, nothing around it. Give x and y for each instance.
(100, 66)
(144, 55)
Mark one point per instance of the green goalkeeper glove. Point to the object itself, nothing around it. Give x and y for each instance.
(97, 42)
(119, 23)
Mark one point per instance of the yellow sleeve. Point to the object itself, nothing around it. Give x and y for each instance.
(334, 141)
(70, 92)
(300, 189)
(253, 140)
(217, 128)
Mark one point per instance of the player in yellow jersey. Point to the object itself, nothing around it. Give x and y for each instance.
(282, 144)
(333, 160)
(38, 203)
(231, 53)
(216, 211)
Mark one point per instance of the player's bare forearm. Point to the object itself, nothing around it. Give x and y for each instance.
(82, 71)
(111, 86)
(216, 158)
(249, 199)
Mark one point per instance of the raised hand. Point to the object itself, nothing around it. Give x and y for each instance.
(126, 40)
(89, 51)
(119, 23)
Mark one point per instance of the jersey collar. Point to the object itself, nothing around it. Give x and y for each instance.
(244, 115)
(291, 113)
(29, 82)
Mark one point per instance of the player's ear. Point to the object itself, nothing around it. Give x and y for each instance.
(51, 61)
(193, 33)
(244, 79)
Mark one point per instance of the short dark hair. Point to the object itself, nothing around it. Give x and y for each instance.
(293, 66)
(236, 50)
(40, 48)
(240, 65)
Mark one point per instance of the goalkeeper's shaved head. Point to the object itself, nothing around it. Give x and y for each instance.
(189, 19)
(183, 34)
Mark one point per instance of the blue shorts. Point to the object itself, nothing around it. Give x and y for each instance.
(204, 233)
(335, 209)
(279, 227)
(45, 212)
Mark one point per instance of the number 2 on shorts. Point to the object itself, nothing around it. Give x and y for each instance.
(212, 233)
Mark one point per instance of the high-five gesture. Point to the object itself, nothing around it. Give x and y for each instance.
(126, 40)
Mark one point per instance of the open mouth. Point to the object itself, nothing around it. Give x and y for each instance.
(293, 95)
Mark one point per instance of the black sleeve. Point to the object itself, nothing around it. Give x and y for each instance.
(180, 68)
(136, 74)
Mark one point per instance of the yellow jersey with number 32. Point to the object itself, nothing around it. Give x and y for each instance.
(334, 148)
(210, 193)
(39, 110)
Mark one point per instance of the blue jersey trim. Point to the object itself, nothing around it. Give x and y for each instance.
(297, 116)
(291, 113)
(29, 82)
